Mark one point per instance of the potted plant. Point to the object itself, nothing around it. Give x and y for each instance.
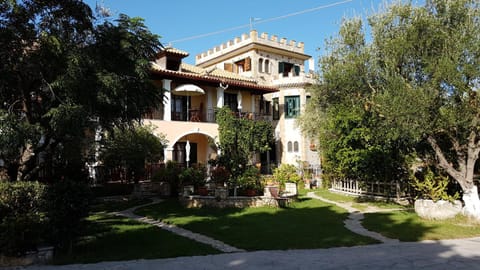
(250, 182)
(193, 176)
(219, 175)
(286, 173)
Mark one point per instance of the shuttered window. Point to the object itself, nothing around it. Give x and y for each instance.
(248, 64)
(297, 71)
(228, 67)
(292, 106)
(276, 109)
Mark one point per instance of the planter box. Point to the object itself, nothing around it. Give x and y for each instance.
(221, 193)
(438, 210)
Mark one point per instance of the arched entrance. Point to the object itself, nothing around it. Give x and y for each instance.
(193, 148)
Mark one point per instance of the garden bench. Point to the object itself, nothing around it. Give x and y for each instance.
(274, 192)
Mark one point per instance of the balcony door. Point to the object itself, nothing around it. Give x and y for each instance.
(179, 107)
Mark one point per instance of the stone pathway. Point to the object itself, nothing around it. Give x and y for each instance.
(353, 223)
(177, 230)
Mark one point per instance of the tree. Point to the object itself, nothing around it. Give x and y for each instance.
(131, 148)
(240, 139)
(342, 116)
(421, 85)
(429, 59)
(63, 72)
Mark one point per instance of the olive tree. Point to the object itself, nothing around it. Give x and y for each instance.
(418, 82)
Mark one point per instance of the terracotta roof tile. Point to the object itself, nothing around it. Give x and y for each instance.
(176, 51)
(191, 72)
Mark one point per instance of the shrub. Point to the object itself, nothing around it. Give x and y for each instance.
(195, 176)
(219, 175)
(67, 203)
(21, 219)
(250, 179)
(431, 186)
(170, 174)
(286, 173)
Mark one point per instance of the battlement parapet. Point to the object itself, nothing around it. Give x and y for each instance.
(245, 39)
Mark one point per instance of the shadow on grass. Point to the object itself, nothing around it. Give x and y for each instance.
(403, 226)
(109, 238)
(408, 226)
(306, 224)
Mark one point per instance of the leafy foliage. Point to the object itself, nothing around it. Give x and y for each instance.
(413, 86)
(67, 204)
(21, 220)
(240, 139)
(286, 173)
(219, 175)
(61, 69)
(432, 187)
(131, 147)
(170, 174)
(195, 176)
(251, 179)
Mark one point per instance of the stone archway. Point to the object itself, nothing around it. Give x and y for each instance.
(200, 145)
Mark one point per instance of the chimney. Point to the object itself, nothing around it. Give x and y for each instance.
(311, 64)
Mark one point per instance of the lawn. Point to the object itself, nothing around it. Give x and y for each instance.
(408, 226)
(360, 203)
(305, 224)
(112, 238)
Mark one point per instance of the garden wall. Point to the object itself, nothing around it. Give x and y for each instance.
(195, 201)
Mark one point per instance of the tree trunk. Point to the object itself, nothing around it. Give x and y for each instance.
(463, 175)
(472, 202)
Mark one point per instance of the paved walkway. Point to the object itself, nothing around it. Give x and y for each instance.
(353, 223)
(429, 255)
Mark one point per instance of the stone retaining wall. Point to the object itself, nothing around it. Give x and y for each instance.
(195, 201)
(42, 256)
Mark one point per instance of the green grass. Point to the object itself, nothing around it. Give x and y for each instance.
(112, 238)
(305, 224)
(114, 206)
(408, 226)
(360, 203)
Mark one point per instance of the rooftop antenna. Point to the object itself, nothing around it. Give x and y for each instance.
(252, 22)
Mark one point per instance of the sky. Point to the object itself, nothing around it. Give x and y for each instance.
(178, 21)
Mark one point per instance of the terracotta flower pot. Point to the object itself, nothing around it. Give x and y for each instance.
(202, 191)
(250, 192)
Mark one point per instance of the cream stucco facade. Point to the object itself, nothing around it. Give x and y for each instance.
(277, 63)
(192, 95)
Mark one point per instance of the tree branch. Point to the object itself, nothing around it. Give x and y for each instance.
(459, 176)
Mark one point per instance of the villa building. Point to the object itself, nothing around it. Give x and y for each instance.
(276, 63)
(257, 76)
(187, 117)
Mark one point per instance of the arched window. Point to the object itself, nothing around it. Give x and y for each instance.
(295, 146)
(267, 66)
(289, 146)
(260, 65)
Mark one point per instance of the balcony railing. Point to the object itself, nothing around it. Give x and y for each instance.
(206, 116)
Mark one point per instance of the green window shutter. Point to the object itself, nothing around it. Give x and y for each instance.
(281, 67)
(297, 70)
(292, 106)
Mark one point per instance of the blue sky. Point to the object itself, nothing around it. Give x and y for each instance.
(175, 20)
